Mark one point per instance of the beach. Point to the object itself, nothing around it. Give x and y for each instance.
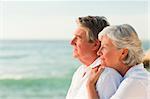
(37, 69)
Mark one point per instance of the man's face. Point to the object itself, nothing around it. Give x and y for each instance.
(108, 52)
(81, 46)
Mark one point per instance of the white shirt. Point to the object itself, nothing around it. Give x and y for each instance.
(136, 84)
(106, 86)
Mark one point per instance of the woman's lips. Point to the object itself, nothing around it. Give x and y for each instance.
(102, 61)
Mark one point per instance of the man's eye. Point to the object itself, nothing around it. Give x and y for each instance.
(79, 37)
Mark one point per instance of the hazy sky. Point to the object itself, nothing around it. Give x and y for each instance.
(52, 20)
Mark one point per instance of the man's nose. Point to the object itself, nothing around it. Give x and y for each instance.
(72, 42)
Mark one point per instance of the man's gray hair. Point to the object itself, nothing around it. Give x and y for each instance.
(124, 36)
(93, 24)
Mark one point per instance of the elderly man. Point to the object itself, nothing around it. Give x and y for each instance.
(121, 49)
(86, 45)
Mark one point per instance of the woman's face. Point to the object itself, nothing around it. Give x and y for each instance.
(109, 54)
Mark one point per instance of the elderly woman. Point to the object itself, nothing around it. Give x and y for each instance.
(121, 49)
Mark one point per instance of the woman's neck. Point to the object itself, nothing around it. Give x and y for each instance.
(123, 69)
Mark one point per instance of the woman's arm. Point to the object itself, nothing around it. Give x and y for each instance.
(92, 94)
(91, 83)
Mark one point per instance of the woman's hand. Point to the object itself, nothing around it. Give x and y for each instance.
(91, 83)
(94, 75)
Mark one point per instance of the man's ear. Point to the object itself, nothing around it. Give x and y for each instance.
(96, 45)
(124, 53)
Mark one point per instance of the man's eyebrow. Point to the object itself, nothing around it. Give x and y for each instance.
(78, 36)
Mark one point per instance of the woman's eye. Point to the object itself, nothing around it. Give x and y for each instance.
(103, 47)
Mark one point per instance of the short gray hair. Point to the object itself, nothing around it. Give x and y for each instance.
(124, 36)
(93, 24)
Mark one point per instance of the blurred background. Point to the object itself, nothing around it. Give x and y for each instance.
(35, 53)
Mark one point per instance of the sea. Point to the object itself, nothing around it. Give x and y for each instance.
(37, 69)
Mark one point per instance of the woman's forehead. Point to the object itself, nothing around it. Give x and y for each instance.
(105, 40)
(101, 37)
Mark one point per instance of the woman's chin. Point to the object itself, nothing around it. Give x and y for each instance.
(103, 63)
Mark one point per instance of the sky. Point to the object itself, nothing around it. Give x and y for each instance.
(55, 20)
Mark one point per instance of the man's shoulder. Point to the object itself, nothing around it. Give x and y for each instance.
(110, 75)
(108, 82)
(111, 72)
(78, 70)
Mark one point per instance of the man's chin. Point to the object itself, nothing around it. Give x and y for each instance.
(75, 56)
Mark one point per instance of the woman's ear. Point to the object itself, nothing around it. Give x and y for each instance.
(124, 53)
(96, 45)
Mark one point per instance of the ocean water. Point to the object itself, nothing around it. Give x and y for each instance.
(37, 69)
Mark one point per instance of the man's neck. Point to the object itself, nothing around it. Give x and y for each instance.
(89, 60)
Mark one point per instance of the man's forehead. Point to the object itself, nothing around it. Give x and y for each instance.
(80, 31)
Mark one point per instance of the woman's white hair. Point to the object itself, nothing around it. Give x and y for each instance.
(124, 36)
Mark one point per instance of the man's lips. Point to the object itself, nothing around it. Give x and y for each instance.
(74, 49)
